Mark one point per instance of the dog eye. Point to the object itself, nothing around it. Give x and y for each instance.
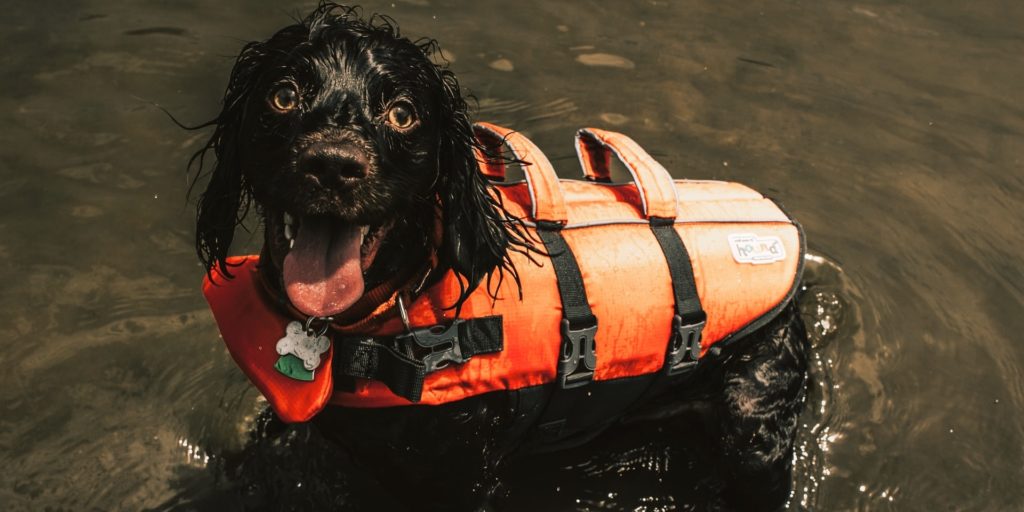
(284, 99)
(401, 115)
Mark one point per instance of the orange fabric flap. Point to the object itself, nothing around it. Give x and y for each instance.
(240, 308)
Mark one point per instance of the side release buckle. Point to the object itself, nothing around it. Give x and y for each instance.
(441, 340)
(684, 346)
(577, 346)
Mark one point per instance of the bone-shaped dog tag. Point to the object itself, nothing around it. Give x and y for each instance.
(302, 345)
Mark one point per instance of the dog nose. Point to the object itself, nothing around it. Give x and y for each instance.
(331, 164)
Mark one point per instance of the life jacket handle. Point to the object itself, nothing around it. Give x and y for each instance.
(547, 201)
(657, 189)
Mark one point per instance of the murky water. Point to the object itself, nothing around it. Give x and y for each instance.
(893, 131)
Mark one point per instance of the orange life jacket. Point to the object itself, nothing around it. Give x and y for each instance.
(744, 262)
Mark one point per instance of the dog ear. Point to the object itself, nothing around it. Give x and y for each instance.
(226, 200)
(478, 232)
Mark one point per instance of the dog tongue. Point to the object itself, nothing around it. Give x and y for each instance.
(322, 272)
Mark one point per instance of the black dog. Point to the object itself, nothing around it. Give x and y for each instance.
(349, 141)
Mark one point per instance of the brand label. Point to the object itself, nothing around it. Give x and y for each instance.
(757, 250)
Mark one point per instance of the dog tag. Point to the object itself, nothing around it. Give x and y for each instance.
(302, 347)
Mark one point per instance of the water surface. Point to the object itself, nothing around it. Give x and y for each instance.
(894, 131)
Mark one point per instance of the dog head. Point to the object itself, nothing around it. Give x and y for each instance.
(358, 153)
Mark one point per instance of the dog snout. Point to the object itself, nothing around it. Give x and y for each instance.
(341, 165)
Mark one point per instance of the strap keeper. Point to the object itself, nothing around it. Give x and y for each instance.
(684, 346)
(662, 221)
(549, 225)
(577, 346)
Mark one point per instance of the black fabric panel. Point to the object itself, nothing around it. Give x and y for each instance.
(588, 410)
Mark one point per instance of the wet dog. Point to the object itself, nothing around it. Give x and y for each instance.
(357, 152)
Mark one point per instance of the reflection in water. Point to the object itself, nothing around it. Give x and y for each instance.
(825, 300)
(194, 455)
(892, 130)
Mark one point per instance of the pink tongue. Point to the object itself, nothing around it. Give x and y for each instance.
(322, 272)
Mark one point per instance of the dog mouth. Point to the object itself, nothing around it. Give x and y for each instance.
(324, 268)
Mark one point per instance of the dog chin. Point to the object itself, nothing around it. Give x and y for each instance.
(324, 260)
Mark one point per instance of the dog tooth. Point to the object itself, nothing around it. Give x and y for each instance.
(288, 223)
(291, 244)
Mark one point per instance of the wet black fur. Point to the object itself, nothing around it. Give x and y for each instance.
(736, 416)
(348, 71)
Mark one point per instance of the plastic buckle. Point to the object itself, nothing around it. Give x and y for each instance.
(577, 345)
(443, 342)
(684, 346)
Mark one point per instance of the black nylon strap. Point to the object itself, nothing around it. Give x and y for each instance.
(579, 325)
(379, 358)
(366, 358)
(575, 307)
(578, 357)
(688, 323)
(687, 303)
(481, 336)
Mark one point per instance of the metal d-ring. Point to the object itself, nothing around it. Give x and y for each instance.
(403, 313)
(397, 344)
(309, 324)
